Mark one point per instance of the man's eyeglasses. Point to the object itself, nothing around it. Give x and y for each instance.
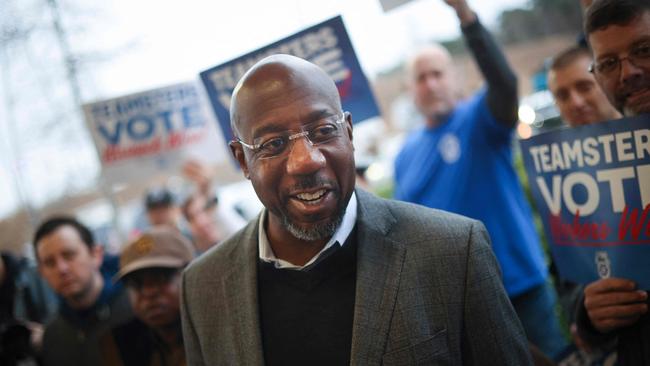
(320, 132)
(608, 67)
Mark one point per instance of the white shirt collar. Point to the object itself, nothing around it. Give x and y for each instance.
(340, 236)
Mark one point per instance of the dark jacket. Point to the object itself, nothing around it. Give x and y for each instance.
(72, 338)
(135, 344)
(24, 298)
(632, 343)
(29, 297)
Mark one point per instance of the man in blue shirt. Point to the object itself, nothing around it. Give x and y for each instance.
(461, 161)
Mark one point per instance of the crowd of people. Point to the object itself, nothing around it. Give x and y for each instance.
(450, 271)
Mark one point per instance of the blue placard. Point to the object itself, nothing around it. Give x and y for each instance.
(326, 44)
(592, 187)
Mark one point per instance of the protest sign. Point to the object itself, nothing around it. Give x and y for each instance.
(146, 134)
(326, 44)
(387, 5)
(592, 188)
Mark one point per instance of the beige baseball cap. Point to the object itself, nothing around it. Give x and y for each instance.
(156, 247)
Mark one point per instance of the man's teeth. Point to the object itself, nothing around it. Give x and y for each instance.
(311, 196)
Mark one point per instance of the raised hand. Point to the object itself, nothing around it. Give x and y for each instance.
(465, 14)
(200, 173)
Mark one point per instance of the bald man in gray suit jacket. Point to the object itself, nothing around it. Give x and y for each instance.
(330, 275)
(428, 292)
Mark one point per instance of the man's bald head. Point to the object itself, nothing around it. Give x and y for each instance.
(433, 51)
(294, 143)
(273, 77)
(430, 78)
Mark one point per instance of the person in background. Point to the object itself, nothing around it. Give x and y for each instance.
(26, 303)
(461, 161)
(201, 174)
(162, 208)
(580, 101)
(150, 268)
(618, 32)
(209, 223)
(198, 212)
(70, 261)
(577, 95)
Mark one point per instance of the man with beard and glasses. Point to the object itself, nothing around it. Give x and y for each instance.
(330, 275)
(618, 31)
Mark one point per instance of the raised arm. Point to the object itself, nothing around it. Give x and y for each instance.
(501, 81)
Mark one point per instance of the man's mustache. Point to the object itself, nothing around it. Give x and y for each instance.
(633, 86)
(312, 181)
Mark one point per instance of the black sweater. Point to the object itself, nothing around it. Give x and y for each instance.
(306, 316)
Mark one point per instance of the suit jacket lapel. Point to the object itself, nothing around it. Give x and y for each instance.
(379, 265)
(240, 287)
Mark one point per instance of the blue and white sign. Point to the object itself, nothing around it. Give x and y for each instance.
(143, 135)
(592, 188)
(326, 44)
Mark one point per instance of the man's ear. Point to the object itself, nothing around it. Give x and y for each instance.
(348, 124)
(237, 151)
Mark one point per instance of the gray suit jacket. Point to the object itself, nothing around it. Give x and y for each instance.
(428, 292)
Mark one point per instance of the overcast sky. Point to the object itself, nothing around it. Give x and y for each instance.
(175, 40)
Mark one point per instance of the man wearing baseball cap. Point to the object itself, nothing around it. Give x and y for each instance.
(150, 268)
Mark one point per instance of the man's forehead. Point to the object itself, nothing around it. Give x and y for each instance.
(278, 71)
(66, 233)
(578, 67)
(280, 97)
(436, 57)
(63, 237)
(266, 77)
(618, 37)
(567, 78)
(437, 61)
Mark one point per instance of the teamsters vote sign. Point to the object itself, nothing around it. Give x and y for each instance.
(592, 188)
(326, 44)
(142, 135)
